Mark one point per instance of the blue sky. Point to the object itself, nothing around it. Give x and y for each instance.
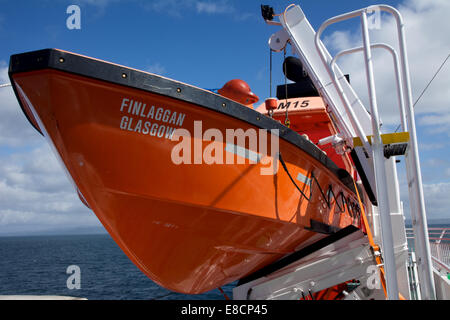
(204, 43)
(204, 47)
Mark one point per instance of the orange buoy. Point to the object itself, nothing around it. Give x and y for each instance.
(239, 91)
(271, 104)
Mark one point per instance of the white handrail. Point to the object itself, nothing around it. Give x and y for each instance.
(377, 145)
(353, 119)
(391, 50)
(412, 159)
(417, 199)
(440, 263)
(302, 38)
(321, 49)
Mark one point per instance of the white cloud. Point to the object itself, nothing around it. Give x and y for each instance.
(432, 146)
(178, 8)
(437, 200)
(156, 68)
(14, 127)
(428, 44)
(262, 73)
(97, 3)
(34, 170)
(213, 7)
(341, 40)
(174, 8)
(435, 174)
(35, 193)
(433, 119)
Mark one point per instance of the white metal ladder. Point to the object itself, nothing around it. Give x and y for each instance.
(353, 120)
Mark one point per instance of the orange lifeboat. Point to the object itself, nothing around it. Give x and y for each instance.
(308, 117)
(191, 225)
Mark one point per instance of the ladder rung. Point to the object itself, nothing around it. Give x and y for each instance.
(398, 149)
(387, 138)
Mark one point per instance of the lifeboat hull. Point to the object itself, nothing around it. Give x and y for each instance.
(191, 226)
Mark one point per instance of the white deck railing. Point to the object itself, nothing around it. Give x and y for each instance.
(439, 245)
(440, 255)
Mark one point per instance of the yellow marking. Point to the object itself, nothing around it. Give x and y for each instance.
(387, 138)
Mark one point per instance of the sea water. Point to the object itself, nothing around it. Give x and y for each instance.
(38, 265)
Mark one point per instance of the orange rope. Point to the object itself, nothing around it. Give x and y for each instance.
(371, 241)
(373, 245)
(224, 294)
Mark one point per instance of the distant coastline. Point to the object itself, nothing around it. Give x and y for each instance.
(431, 222)
(100, 230)
(56, 232)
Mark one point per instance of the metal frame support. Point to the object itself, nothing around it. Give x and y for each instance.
(417, 201)
(352, 259)
(352, 119)
(380, 172)
(392, 290)
(416, 196)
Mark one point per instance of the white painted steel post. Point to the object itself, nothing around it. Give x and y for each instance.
(352, 117)
(380, 172)
(417, 199)
(412, 159)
